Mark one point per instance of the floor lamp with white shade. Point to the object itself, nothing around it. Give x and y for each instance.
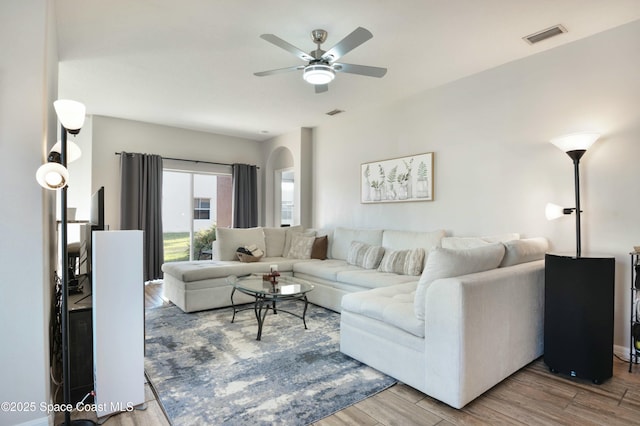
(54, 175)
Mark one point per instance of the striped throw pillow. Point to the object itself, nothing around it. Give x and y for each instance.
(364, 255)
(405, 262)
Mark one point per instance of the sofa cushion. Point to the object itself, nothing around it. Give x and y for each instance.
(525, 250)
(457, 243)
(391, 305)
(203, 270)
(320, 247)
(364, 255)
(199, 270)
(342, 238)
(402, 240)
(229, 239)
(371, 278)
(274, 240)
(301, 246)
(326, 270)
(446, 263)
(406, 262)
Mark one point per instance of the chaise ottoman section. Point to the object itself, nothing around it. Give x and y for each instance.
(199, 285)
(378, 328)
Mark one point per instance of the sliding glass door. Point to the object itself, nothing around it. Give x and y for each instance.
(193, 204)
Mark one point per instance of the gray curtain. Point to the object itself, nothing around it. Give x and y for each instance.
(141, 206)
(245, 195)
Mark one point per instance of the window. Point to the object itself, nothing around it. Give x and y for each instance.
(193, 204)
(202, 208)
(287, 185)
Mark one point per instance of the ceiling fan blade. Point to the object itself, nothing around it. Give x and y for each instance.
(286, 46)
(321, 88)
(278, 71)
(347, 44)
(360, 69)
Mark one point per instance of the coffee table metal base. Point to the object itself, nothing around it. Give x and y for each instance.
(264, 304)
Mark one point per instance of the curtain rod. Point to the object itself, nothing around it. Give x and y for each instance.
(193, 161)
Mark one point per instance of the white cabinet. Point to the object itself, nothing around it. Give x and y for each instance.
(118, 320)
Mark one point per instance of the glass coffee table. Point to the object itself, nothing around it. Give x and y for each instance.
(266, 296)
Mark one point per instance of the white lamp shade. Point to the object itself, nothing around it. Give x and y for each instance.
(70, 113)
(576, 141)
(553, 211)
(73, 150)
(52, 175)
(318, 74)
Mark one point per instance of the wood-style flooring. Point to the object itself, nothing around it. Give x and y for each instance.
(532, 396)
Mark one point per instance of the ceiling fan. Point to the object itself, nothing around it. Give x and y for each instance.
(321, 65)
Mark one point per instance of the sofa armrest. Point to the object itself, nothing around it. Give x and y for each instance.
(481, 328)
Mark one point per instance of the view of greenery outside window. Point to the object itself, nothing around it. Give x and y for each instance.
(202, 243)
(202, 208)
(174, 246)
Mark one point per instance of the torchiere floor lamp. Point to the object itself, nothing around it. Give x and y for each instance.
(54, 175)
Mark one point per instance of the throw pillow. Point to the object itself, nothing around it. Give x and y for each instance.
(319, 248)
(275, 239)
(446, 263)
(291, 231)
(405, 262)
(343, 237)
(364, 255)
(525, 250)
(301, 246)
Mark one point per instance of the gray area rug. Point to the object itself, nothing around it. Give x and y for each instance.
(208, 371)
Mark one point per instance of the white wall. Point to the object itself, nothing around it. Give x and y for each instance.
(494, 167)
(79, 192)
(111, 135)
(28, 81)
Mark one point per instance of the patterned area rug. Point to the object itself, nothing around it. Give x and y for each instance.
(208, 371)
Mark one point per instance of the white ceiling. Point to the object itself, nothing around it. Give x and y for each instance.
(190, 63)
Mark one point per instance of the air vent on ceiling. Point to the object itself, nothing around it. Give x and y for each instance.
(335, 111)
(545, 34)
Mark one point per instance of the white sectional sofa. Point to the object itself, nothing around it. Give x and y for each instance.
(452, 323)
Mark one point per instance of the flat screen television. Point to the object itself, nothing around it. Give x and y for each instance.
(96, 223)
(97, 210)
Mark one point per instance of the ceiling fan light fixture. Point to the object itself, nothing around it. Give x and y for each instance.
(318, 74)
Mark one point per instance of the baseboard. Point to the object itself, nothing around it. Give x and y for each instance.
(621, 352)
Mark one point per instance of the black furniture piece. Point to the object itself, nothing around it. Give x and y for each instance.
(634, 338)
(80, 346)
(578, 326)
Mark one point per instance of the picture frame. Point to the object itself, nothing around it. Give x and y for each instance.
(401, 179)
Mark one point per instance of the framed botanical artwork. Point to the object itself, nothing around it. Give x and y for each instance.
(397, 180)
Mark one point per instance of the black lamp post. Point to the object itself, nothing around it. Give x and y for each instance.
(575, 145)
